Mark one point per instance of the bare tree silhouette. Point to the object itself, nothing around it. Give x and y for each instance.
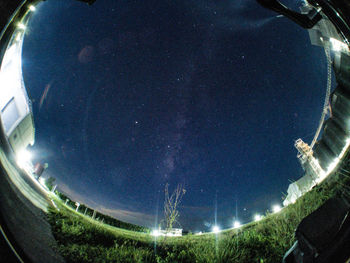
(171, 205)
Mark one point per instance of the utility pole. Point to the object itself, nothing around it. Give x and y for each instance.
(77, 204)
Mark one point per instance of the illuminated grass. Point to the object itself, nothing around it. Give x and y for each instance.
(67, 212)
(82, 239)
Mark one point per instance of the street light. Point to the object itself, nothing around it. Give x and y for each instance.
(257, 217)
(276, 208)
(236, 224)
(155, 233)
(23, 157)
(216, 229)
(32, 8)
(21, 26)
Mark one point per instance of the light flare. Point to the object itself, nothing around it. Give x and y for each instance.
(276, 208)
(216, 229)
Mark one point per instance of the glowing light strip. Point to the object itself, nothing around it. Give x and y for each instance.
(334, 163)
(337, 45)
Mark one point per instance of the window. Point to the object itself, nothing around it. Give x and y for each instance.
(9, 114)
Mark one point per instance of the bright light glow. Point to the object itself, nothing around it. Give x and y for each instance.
(323, 175)
(155, 233)
(216, 229)
(18, 37)
(257, 217)
(276, 208)
(337, 45)
(23, 158)
(236, 224)
(32, 8)
(293, 200)
(199, 233)
(21, 26)
(332, 165)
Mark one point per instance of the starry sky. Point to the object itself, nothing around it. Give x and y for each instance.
(131, 95)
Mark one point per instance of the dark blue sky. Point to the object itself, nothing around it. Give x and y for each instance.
(131, 95)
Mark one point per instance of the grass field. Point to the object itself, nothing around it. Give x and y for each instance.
(81, 239)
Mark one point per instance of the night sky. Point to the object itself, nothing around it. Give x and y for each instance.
(131, 95)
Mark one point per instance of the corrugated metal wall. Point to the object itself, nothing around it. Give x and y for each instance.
(337, 128)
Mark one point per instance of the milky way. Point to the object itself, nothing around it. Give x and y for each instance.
(208, 94)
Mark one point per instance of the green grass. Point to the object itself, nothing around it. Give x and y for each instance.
(81, 239)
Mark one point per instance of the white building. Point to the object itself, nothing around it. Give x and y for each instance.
(15, 105)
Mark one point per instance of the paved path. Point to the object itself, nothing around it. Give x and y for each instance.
(22, 206)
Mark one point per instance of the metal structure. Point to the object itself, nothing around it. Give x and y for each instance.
(324, 154)
(326, 100)
(313, 172)
(324, 235)
(307, 159)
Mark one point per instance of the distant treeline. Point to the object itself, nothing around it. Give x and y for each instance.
(101, 217)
